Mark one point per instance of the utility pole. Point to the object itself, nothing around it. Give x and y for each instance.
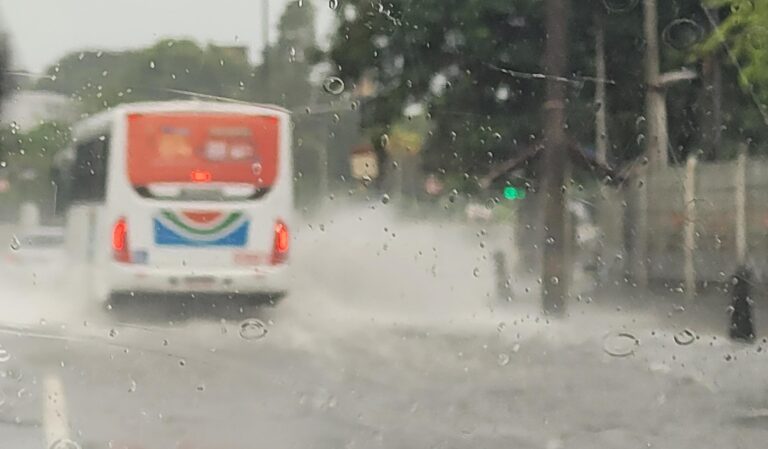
(555, 157)
(601, 127)
(656, 141)
(265, 38)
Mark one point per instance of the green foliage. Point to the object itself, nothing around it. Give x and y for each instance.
(745, 32)
(27, 158)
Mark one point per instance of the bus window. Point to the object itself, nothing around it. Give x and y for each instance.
(90, 170)
(202, 157)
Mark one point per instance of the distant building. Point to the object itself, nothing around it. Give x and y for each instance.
(27, 108)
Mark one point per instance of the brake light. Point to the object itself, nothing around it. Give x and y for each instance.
(200, 176)
(120, 241)
(281, 244)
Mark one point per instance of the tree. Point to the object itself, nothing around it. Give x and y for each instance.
(283, 77)
(744, 31)
(100, 79)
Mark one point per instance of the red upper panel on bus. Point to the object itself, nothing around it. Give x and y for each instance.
(202, 147)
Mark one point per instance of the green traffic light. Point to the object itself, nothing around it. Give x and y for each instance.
(514, 193)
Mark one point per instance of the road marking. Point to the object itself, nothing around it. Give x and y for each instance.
(55, 421)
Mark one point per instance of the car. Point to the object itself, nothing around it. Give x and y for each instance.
(35, 252)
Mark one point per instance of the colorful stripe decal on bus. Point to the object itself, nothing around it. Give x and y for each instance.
(193, 228)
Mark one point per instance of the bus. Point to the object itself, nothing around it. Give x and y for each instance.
(180, 197)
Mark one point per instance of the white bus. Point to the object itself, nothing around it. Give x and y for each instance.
(179, 197)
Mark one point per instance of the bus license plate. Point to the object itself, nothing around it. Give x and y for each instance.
(200, 280)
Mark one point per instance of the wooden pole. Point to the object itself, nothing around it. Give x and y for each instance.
(689, 230)
(740, 179)
(555, 157)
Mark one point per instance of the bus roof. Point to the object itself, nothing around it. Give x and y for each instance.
(102, 121)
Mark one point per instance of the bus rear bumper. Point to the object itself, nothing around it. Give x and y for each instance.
(126, 278)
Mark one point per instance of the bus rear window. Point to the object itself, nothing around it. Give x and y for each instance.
(202, 152)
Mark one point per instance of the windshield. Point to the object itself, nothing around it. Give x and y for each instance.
(356, 224)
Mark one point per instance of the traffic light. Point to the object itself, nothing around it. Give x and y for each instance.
(514, 193)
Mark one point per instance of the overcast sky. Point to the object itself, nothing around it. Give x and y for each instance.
(44, 30)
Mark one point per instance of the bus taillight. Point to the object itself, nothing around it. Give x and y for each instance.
(282, 242)
(120, 241)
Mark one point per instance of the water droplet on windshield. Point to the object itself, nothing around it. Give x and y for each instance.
(742, 6)
(256, 168)
(252, 329)
(550, 241)
(476, 272)
(384, 141)
(151, 64)
(15, 243)
(757, 38)
(620, 344)
(554, 280)
(112, 333)
(4, 355)
(333, 85)
(502, 360)
(620, 6)
(333, 4)
(384, 199)
(685, 337)
(64, 443)
(683, 34)
(497, 137)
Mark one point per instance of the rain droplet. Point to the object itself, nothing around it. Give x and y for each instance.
(151, 64)
(384, 141)
(685, 337)
(554, 280)
(333, 4)
(757, 38)
(112, 333)
(336, 118)
(476, 272)
(549, 241)
(620, 6)
(385, 199)
(252, 329)
(4, 355)
(742, 7)
(683, 34)
(15, 243)
(64, 443)
(256, 168)
(502, 359)
(333, 85)
(497, 137)
(620, 344)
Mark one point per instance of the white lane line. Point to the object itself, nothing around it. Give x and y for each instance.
(55, 421)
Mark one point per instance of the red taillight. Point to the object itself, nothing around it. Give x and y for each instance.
(120, 241)
(282, 242)
(200, 176)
